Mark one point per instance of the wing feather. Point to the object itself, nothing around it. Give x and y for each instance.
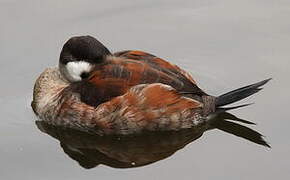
(119, 74)
(157, 63)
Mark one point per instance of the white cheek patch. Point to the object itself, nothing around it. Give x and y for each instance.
(75, 69)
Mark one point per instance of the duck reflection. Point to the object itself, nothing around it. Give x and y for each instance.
(91, 150)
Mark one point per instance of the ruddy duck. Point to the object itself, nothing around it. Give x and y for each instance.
(123, 93)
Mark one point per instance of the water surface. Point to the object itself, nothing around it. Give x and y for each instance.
(224, 44)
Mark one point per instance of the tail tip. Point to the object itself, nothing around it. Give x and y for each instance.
(240, 93)
(267, 80)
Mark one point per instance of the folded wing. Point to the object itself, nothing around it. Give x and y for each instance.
(119, 74)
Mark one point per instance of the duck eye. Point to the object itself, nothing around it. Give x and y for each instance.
(85, 75)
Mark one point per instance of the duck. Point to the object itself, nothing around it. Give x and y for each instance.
(126, 92)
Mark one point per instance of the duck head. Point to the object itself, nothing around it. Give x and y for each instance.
(79, 55)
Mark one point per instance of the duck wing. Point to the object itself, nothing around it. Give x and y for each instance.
(118, 75)
(157, 63)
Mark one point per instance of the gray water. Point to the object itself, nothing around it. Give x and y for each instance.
(224, 44)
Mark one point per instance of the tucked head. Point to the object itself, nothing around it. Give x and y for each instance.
(79, 55)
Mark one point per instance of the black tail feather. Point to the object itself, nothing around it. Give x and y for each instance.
(239, 94)
(224, 109)
(226, 122)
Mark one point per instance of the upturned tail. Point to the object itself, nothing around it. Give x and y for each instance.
(237, 95)
(226, 122)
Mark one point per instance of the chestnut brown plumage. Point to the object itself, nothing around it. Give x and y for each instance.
(123, 93)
